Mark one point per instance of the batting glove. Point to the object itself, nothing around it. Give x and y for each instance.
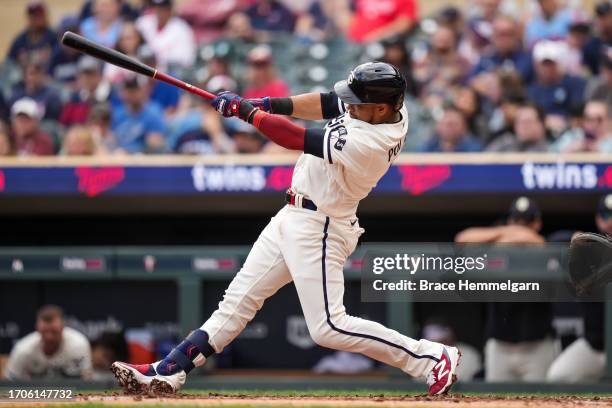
(263, 104)
(227, 104)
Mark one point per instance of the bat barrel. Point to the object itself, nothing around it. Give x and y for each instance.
(114, 57)
(111, 56)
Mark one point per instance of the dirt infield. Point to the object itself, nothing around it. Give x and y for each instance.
(455, 401)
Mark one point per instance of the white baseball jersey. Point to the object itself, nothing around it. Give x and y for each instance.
(27, 359)
(356, 154)
(309, 248)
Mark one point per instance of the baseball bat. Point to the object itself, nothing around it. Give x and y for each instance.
(119, 59)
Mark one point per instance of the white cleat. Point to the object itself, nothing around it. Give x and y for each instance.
(442, 376)
(144, 379)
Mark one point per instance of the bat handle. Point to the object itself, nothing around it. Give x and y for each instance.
(160, 76)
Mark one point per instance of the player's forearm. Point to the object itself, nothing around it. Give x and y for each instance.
(278, 129)
(310, 106)
(307, 106)
(478, 235)
(304, 106)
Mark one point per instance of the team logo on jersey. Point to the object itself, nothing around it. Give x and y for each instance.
(339, 145)
(338, 134)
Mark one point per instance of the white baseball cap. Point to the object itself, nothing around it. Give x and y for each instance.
(26, 106)
(220, 83)
(549, 51)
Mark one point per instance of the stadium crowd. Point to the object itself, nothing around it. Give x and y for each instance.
(488, 77)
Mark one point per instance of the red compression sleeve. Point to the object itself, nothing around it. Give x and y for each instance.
(280, 130)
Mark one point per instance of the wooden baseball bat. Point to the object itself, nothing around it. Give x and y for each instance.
(114, 57)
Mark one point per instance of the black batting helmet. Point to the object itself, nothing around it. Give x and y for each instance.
(373, 82)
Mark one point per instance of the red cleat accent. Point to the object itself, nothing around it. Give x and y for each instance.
(442, 376)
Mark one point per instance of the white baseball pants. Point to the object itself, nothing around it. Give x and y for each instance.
(579, 362)
(310, 249)
(527, 361)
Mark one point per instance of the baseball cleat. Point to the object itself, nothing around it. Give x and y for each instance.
(144, 379)
(442, 376)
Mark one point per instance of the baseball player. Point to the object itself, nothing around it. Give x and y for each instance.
(310, 238)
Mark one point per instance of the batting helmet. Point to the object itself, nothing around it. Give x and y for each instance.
(373, 82)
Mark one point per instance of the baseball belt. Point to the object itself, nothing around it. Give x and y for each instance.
(299, 200)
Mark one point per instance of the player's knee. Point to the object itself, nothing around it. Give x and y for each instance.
(324, 336)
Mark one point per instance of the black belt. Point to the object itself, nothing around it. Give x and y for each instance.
(306, 203)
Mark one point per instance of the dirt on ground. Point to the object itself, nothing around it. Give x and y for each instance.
(455, 401)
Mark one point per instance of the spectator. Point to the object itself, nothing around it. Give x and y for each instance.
(52, 351)
(165, 95)
(552, 23)
(395, 53)
(452, 135)
(452, 18)
(501, 96)
(217, 66)
(6, 143)
(130, 40)
(262, 77)
(554, 91)
(29, 139)
(600, 87)
(468, 102)
(138, 124)
(480, 26)
(106, 349)
(247, 140)
(169, 36)
(270, 15)
(36, 85)
(487, 10)
(105, 24)
(507, 52)
(577, 38)
(520, 346)
(441, 68)
(597, 46)
(239, 28)
(79, 141)
(585, 359)
(100, 125)
(596, 135)
(64, 60)
(375, 20)
(207, 18)
(201, 130)
(91, 89)
(476, 40)
(323, 20)
(127, 11)
(37, 38)
(529, 133)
